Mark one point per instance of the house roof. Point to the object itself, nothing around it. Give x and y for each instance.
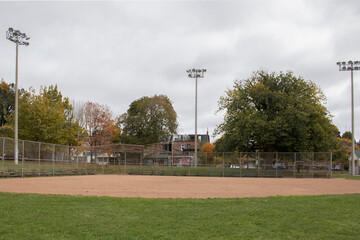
(357, 153)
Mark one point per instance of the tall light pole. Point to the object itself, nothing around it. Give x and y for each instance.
(20, 39)
(196, 73)
(351, 66)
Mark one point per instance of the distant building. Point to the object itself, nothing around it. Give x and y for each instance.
(186, 142)
(179, 144)
(182, 142)
(357, 165)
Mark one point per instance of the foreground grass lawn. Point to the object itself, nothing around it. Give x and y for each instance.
(35, 216)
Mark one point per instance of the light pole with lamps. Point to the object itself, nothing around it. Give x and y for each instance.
(351, 66)
(196, 73)
(20, 39)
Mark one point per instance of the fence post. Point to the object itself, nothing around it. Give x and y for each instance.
(223, 164)
(330, 164)
(23, 153)
(294, 164)
(53, 160)
(39, 158)
(312, 166)
(202, 171)
(141, 157)
(303, 165)
(86, 161)
(102, 164)
(276, 164)
(2, 157)
(77, 163)
(156, 164)
(63, 159)
(119, 159)
(115, 159)
(172, 159)
(240, 162)
(258, 164)
(192, 164)
(69, 161)
(125, 163)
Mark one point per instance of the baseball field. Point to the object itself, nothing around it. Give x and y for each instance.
(159, 207)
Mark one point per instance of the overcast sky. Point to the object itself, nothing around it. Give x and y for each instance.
(113, 53)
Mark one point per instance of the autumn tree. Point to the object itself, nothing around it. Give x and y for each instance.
(347, 135)
(342, 149)
(208, 149)
(275, 112)
(148, 120)
(46, 117)
(99, 123)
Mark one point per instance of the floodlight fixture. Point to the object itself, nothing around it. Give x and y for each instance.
(17, 37)
(348, 66)
(196, 73)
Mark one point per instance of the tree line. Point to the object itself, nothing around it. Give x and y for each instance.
(278, 112)
(267, 112)
(49, 117)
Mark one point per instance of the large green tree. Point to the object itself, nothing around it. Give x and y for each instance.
(7, 101)
(7, 106)
(46, 117)
(275, 112)
(148, 120)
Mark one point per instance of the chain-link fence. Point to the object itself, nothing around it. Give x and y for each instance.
(43, 159)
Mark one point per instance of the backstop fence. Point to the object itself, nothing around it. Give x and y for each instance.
(43, 159)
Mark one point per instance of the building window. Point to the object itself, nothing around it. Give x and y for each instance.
(188, 146)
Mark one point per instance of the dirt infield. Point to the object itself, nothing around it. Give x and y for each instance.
(177, 187)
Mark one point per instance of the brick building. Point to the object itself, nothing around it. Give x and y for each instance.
(186, 142)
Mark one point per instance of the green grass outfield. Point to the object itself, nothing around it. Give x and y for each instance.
(35, 216)
(346, 176)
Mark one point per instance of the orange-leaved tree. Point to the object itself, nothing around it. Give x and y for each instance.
(208, 149)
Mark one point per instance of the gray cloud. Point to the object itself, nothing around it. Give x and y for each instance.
(115, 52)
